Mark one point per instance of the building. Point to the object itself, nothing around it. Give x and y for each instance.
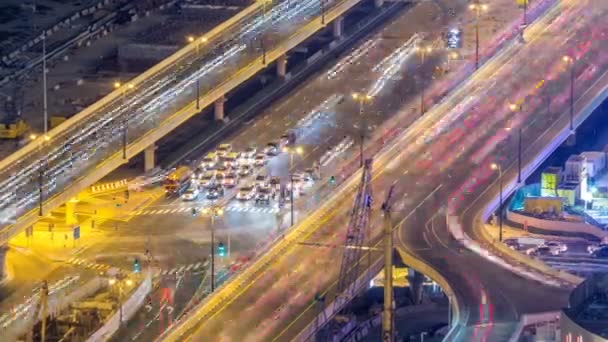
(586, 318)
(550, 179)
(595, 163)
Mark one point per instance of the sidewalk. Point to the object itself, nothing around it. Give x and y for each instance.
(53, 239)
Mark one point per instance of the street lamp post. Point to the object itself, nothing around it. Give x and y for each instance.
(264, 14)
(322, 11)
(570, 61)
(496, 166)
(422, 52)
(192, 39)
(477, 8)
(44, 85)
(213, 212)
(125, 126)
(362, 99)
(41, 170)
(119, 282)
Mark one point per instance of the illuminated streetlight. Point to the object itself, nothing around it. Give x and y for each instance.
(112, 281)
(212, 213)
(125, 88)
(362, 99)
(571, 63)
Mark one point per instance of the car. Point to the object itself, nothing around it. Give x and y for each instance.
(231, 180)
(263, 195)
(275, 183)
(272, 149)
(223, 170)
(245, 170)
(231, 159)
(601, 252)
(248, 155)
(556, 245)
(261, 180)
(289, 138)
(207, 179)
(543, 250)
(309, 174)
(190, 194)
(215, 192)
(260, 160)
(246, 193)
(298, 182)
(223, 150)
(512, 243)
(210, 161)
(592, 248)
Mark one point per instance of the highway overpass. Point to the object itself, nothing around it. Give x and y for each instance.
(53, 168)
(489, 299)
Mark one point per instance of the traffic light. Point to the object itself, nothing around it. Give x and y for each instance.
(193, 211)
(136, 267)
(221, 249)
(332, 180)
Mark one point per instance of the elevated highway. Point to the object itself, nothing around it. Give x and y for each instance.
(53, 168)
(469, 130)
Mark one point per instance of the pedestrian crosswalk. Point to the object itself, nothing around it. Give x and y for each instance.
(181, 269)
(88, 264)
(188, 210)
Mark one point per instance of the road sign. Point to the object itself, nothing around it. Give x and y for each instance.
(76, 233)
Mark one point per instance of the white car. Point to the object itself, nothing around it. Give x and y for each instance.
(246, 193)
(231, 180)
(543, 250)
(248, 156)
(263, 195)
(556, 245)
(260, 160)
(207, 179)
(261, 181)
(191, 194)
(223, 150)
(245, 170)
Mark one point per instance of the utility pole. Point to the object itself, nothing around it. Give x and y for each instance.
(44, 95)
(44, 295)
(388, 328)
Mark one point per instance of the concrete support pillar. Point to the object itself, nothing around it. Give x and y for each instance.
(219, 108)
(282, 66)
(338, 26)
(416, 280)
(149, 154)
(3, 250)
(378, 3)
(70, 212)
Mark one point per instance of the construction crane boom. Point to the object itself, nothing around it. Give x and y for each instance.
(388, 330)
(357, 232)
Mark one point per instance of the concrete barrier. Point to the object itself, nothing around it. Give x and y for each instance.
(129, 308)
(557, 226)
(532, 319)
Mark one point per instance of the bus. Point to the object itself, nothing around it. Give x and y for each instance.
(177, 181)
